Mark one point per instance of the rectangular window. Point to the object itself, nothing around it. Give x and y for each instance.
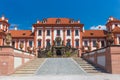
(85, 43)
(77, 43)
(102, 44)
(119, 40)
(13, 44)
(94, 43)
(39, 43)
(68, 32)
(39, 32)
(76, 32)
(30, 43)
(48, 32)
(58, 32)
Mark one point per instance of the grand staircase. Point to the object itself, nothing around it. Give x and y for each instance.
(89, 68)
(29, 68)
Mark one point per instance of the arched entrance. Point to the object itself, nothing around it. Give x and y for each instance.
(58, 52)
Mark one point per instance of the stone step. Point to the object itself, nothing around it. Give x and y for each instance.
(92, 69)
(24, 73)
(89, 68)
(30, 67)
(27, 70)
(85, 64)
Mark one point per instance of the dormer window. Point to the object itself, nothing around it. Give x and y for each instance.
(71, 21)
(116, 24)
(44, 20)
(58, 21)
(91, 33)
(23, 33)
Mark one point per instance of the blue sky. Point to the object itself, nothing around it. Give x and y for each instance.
(90, 12)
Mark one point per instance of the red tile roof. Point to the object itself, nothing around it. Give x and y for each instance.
(116, 29)
(5, 21)
(94, 33)
(112, 20)
(52, 22)
(21, 33)
(1, 31)
(62, 21)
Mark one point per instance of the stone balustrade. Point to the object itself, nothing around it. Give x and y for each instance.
(107, 58)
(11, 59)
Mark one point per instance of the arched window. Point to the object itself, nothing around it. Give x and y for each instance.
(77, 43)
(68, 44)
(39, 42)
(48, 42)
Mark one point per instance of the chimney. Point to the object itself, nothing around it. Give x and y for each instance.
(78, 21)
(99, 28)
(38, 21)
(83, 29)
(7, 20)
(15, 28)
(3, 17)
(32, 29)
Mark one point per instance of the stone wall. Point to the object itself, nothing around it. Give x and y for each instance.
(107, 58)
(11, 59)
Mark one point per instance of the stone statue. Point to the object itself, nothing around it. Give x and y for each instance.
(58, 41)
(21, 45)
(8, 39)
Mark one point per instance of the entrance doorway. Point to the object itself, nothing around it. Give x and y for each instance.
(58, 52)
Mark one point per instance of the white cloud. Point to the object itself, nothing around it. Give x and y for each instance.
(12, 26)
(99, 27)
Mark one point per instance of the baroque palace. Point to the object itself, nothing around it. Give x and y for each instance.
(60, 31)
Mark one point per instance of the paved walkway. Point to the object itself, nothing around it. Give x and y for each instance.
(60, 66)
(62, 69)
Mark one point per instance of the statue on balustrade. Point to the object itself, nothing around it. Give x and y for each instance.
(58, 41)
(8, 39)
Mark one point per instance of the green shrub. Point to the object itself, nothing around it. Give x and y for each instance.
(68, 54)
(49, 54)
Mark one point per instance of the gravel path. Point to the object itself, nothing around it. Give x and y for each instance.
(60, 66)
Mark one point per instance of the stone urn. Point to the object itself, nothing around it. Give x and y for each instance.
(21, 45)
(110, 39)
(8, 39)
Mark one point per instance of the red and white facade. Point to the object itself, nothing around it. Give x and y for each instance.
(70, 30)
(49, 29)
